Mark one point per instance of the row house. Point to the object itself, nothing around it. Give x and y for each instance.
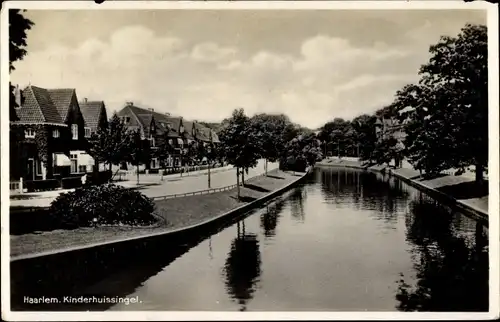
(51, 133)
(156, 127)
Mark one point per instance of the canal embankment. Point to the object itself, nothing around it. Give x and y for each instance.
(456, 191)
(177, 215)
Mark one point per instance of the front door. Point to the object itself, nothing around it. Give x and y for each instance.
(30, 171)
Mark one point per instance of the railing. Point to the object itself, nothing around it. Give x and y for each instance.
(194, 193)
(204, 192)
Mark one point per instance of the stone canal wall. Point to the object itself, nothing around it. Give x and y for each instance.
(476, 208)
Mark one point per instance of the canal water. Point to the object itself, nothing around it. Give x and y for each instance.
(344, 240)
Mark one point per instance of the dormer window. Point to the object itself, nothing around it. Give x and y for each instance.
(74, 131)
(29, 134)
(88, 132)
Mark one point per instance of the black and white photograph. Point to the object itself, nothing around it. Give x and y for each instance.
(239, 160)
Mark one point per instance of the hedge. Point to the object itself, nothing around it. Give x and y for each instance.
(71, 182)
(97, 178)
(106, 204)
(41, 185)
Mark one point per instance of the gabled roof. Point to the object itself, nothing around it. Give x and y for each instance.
(61, 97)
(145, 120)
(38, 107)
(188, 129)
(91, 111)
(202, 133)
(215, 137)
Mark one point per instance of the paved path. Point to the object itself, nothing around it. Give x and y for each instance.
(171, 184)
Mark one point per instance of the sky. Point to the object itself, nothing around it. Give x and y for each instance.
(202, 64)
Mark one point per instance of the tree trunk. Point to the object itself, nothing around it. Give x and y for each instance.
(181, 169)
(479, 175)
(265, 168)
(238, 181)
(209, 165)
(137, 171)
(243, 177)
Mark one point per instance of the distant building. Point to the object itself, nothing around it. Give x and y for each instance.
(155, 127)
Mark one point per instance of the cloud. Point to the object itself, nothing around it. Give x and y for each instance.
(211, 52)
(325, 77)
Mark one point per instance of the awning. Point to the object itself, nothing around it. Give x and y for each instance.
(179, 141)
(85, 159)
(61, 160)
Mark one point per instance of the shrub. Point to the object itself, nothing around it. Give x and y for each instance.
(41, 185)
(102, 205)
(71, 182)
(101, 177)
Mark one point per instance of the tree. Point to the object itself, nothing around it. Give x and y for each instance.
(139, 150)
(447, 123)
(240, 143)
(271, 130)
(336, 133)
(164, 150)
(18, 27)
(386, 150)
(110, 144)
(301, 152)
(365, 135)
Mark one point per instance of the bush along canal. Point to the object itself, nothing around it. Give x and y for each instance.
(343, 240)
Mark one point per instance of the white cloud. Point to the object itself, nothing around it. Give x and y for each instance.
(325, 78)
(211, 52)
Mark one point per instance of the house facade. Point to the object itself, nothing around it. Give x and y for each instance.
(158, 127)
(95, 117)
(49, 131)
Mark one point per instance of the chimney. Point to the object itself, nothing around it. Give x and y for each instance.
(130, 103)
(151, 109)
(85, 100)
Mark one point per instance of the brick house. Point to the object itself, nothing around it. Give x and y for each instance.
(155, 127)
(50, 134)
(95, 117)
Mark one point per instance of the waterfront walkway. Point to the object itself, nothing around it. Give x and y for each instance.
(461, 188)
(153, 185)
(176, 213)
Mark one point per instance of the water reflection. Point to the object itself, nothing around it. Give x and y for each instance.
(243, 266)
(451, 275)
(296, 200)
(363, 190)
(269, 219)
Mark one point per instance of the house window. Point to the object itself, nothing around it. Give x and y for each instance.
(38, 164)
(29, 133)
(74, 163)
(154, 163)
(74, 131)
(82, 168)
(125, 119)
(88, 132)
(55, 133)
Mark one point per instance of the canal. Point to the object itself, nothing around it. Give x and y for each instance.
(344, 240)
